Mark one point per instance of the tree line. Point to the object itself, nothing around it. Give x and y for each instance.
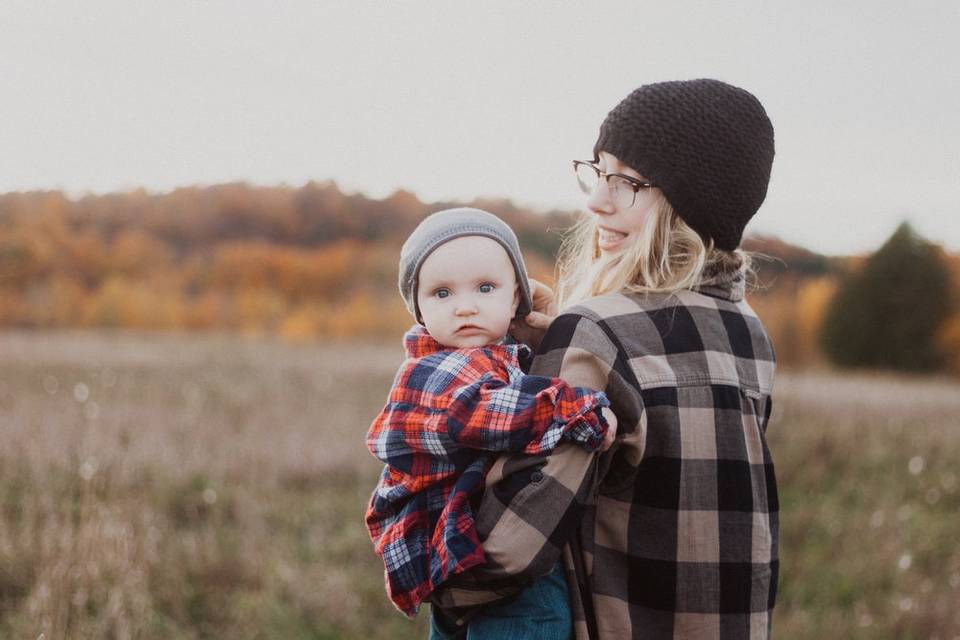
(315, 263)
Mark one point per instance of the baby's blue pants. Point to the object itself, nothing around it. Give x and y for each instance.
(539, 612)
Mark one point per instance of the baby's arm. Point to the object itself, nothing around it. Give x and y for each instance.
(493, 412)
(529, 414)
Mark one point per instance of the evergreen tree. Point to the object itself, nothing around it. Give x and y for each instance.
(887, 315)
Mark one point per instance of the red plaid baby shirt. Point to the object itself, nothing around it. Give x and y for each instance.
(449, 412)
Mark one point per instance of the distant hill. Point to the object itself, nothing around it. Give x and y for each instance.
(305, 263)
(194, 219)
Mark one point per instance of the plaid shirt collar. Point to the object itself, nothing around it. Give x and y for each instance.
(419, 344)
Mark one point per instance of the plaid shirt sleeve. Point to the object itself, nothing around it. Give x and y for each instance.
(443, 403)
(523, 540)
(524, 413)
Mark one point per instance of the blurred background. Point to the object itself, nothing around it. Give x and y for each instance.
(201, 209)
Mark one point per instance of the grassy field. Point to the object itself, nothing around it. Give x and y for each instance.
(210, 487)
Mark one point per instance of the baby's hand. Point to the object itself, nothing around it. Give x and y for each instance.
(611, 428)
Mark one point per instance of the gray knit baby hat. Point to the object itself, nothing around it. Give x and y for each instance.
(707, 144)
(446, 225)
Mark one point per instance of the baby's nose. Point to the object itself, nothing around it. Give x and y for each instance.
(466, 308)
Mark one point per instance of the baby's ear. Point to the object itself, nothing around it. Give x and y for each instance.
(516, 298)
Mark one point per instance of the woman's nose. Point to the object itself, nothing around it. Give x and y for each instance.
(600, 201)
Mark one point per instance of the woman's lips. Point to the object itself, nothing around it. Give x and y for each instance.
(609, 239)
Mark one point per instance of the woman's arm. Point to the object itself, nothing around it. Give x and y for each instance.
(533, 504)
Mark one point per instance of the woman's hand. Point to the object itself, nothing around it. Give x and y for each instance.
(611, 433)
(533, 326)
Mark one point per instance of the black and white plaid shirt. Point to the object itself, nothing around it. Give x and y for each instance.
(673, 532)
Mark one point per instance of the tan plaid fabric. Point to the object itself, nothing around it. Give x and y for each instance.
(673, 532)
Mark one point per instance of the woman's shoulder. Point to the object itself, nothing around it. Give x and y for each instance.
(600, 307)
(599, 324)
(683, 316)
(666, 336)
(610, 305)
(616, 304)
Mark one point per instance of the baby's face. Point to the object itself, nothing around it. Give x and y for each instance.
(467, 292)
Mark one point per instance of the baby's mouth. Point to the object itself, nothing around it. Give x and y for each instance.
(469, 328)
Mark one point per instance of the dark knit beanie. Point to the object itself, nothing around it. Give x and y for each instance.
(444, 226)
(708, 145)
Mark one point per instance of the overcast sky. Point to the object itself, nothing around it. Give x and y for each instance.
(454, 100)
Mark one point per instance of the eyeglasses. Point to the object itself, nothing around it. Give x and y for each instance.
(623, 189)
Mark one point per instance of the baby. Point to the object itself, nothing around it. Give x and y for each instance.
(459, 398)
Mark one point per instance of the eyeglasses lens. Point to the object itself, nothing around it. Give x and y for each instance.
(587, 177)
(621, 191)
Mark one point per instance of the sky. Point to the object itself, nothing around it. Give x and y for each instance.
(454, 100)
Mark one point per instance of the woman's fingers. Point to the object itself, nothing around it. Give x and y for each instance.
(537, 320)
(611, 433)
(531, 328)
(542, 298)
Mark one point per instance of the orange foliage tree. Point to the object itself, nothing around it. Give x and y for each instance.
(306, 264)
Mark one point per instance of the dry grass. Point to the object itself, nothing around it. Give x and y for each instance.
(211, 487)
(869, 473)
(180, 487)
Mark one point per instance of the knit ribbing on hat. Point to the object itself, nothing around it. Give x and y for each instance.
(706, 144)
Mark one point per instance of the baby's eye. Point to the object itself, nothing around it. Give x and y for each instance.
(486, 287)
(442, 293)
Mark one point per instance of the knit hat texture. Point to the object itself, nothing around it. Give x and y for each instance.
(443, 226)
(708, 145)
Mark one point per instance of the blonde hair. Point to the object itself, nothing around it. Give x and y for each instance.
(667, 256)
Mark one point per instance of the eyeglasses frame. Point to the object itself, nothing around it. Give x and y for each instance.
(635, 184)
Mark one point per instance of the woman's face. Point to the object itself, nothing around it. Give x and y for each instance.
(618, 227)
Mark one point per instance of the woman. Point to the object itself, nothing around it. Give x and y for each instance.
(673, 532)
